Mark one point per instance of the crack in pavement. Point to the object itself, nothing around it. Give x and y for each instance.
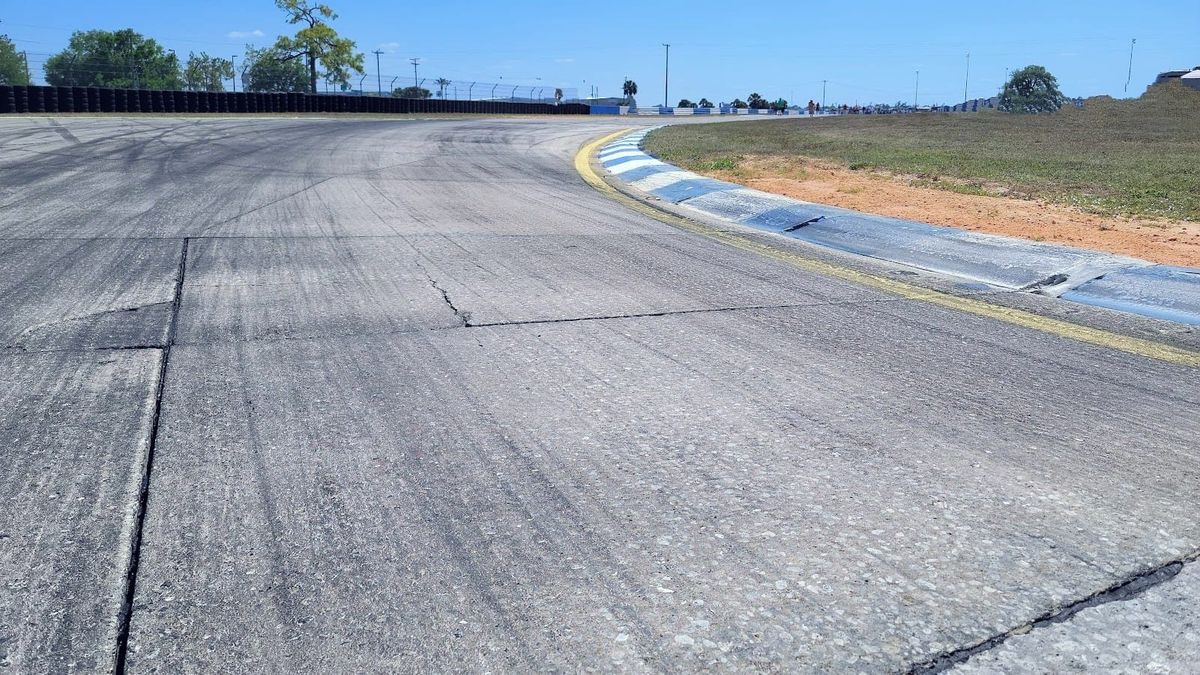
(93, 315)
(1123, 590)
(464, 317)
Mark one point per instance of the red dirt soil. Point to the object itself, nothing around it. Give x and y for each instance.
(1161, 241)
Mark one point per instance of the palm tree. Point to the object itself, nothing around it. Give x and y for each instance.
(442, 83)
(630, 89)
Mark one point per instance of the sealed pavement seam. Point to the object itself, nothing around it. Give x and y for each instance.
(125, 612)
(1125, 589)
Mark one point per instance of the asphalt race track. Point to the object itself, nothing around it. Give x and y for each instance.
(410, 395)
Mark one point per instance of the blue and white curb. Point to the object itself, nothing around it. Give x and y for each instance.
(1088, 277)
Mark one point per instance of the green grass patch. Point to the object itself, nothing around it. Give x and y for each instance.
(1138, 157)
(717, 164)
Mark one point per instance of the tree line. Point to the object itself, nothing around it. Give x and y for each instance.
(754, 101)
(129, 60)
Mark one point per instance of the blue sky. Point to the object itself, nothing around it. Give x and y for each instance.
(867, 50)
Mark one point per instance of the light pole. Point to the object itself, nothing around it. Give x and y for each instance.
(415, 61)
(1130, 75)
(823, 83)
(916, 90)
(469, 89)
(378, 75)
(392, 86)
(967, 82)
(667, 77)
(360, 83)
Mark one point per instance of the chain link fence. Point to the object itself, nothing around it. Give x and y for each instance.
(132, 74)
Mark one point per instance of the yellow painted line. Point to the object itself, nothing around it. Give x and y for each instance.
(1016, 317)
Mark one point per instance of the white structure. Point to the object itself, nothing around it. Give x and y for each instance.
(1191, 79)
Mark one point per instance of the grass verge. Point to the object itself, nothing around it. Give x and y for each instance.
(1134, 157)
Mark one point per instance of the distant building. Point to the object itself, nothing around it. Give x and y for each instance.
(1190, 78)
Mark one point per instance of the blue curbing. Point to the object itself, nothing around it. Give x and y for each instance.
(1087, 277)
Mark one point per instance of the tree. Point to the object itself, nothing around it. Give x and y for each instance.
(12, 64)
(757, 102)
(704, 103)
(1031, 89)
(779, 105)
(412, 92)
(206, 73)
(123, 58)
(629, 89)
(684, 103)
(318, 43)
(442, 83)
(738, 103)
(268, 69)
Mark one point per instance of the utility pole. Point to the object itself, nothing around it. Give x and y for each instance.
(667, 78)
(967, 82)
(1130, 75)
(916, 90)
(378, 75)
(415, 61)
(233, 63)
(823, 83)
(25, 58)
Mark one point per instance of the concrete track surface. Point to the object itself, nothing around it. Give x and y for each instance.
(329, 395)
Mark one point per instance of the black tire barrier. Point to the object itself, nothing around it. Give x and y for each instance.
(34, 99)
(37, 101)
(21, 99)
